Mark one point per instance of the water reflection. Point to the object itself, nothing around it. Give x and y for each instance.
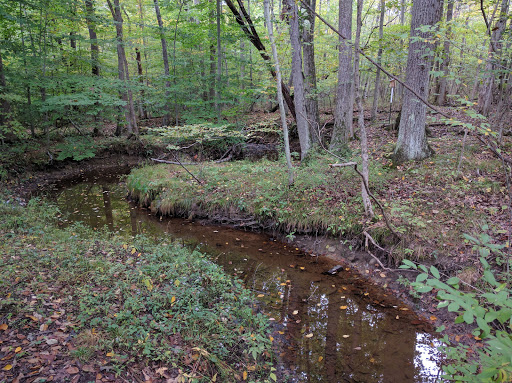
(332, 328)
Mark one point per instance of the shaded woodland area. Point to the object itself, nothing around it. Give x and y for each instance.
(84, 64)
(394, 121)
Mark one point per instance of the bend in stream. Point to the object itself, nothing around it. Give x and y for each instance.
(332, 328)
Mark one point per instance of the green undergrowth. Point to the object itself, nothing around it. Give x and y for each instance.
(429, 203)
(137, 302)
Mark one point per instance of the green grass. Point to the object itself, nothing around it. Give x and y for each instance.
(136, 302)
(428, 202)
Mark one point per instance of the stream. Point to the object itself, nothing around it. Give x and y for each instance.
(332, 328)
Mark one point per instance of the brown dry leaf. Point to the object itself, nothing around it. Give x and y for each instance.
(260, 295)
(88, 368)
(3, 326)
(33, 318)
(320, 358)
(433, 318)
(161, 370)
(244, 375)
(382, 275)
(110, 354)
(72, 370)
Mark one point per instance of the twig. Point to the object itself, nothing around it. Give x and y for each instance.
(462, 149)
(354, 164)
(75, 126)
(188, 171)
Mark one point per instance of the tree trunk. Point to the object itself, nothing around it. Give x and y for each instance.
(362, 129)
(308, 50)
(344, 92)
(219, 65)
(279, 93)
(375, 105)
(91, 26)
(122, 67)
(143, 113)
(485, 98)
(4, 103)
(167, 73)
(412, 141)
(298, 81)
(243, 19)
(445, 66)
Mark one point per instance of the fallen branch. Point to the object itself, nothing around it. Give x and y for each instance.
(354, 164)
(369, 237)
(227, 159)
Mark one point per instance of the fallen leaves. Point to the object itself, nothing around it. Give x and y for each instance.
(4, 326)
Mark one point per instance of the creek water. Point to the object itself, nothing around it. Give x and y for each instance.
(330, 328)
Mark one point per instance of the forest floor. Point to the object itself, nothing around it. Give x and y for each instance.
(430, 204)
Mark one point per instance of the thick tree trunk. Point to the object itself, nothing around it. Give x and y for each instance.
(308, 50)
(362, 128)
(412, 141)
(280, 100)
(379, 61)
(445, 66)
(344, 92)
(165, 57)
(122, 67)
(485, 98)
(298, 81)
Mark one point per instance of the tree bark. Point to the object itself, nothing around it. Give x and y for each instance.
(219, 65)
(282, 110)
(165, 56)
(122, 67)
(143, 113)
(412, 141)
(445, 66)
(298, 80)
(344, 92)
(485, 98)
(5, 106)
(362, 128)
(379, 61)
(310, 85)
(91, 26)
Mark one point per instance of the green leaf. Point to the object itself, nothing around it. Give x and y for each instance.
(468, 317)
(435, 272)
(421, 277)
(408, 264)
(424, 289)
(453, 281)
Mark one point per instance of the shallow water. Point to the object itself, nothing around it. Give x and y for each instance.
(332, 328)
